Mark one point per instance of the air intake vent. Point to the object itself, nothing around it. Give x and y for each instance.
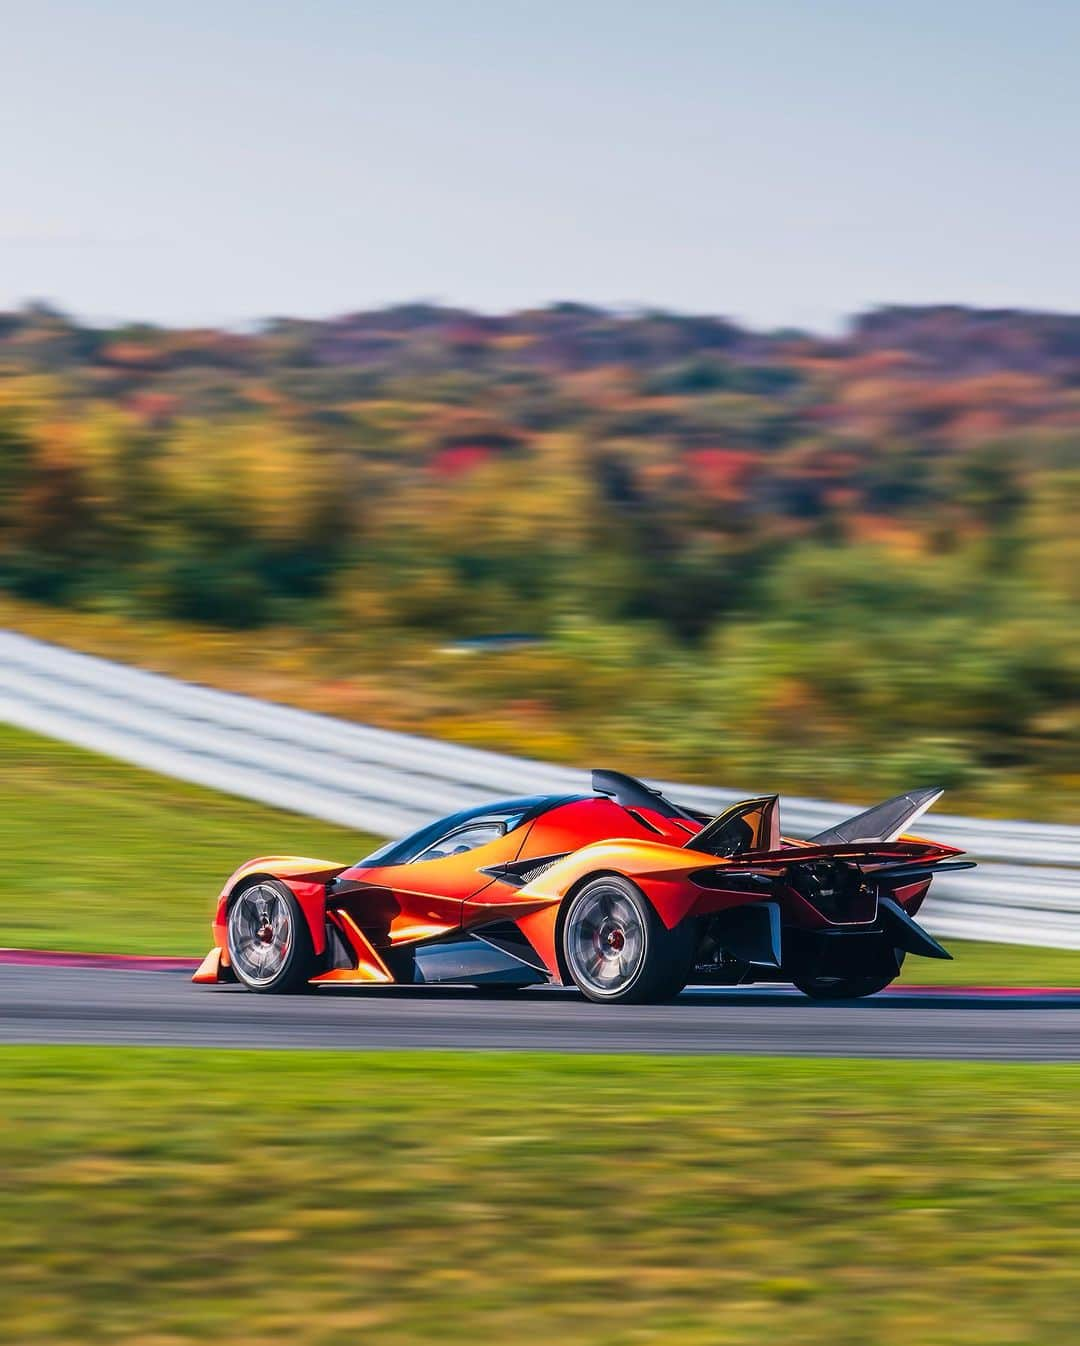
(534, 873)
(640, 817)
(520, 872)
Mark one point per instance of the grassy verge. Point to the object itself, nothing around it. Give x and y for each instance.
(171, 1196)
(977, 964)
(99, 855)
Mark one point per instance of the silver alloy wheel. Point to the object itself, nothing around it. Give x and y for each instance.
(605, 940)
(260, 934)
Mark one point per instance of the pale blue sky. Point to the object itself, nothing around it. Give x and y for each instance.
(781, 162)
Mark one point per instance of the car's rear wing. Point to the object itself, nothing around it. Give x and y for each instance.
(887, 821)
(753, 824)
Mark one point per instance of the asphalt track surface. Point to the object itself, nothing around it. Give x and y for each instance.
(159, 1006)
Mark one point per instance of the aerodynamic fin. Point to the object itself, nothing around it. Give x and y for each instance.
(908, 934)
(628, 790)
(751, 825)
(751, 933)
(913, 870)
(884, 822)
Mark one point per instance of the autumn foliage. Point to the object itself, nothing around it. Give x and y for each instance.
(834, 564)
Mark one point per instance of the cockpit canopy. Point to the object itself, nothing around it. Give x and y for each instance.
(465, 830)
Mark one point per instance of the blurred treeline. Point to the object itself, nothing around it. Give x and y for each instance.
(836, 565)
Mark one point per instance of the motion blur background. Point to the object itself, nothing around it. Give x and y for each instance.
(822, 542)
(688, 388)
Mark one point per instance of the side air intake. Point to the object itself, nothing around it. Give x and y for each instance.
(517, 873)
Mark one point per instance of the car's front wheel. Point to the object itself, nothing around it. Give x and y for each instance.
(269, 941)
(616, 948)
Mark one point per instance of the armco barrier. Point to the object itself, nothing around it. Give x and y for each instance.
(1026, 890)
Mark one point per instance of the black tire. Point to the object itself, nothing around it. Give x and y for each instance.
(847, 988)
(265, 916)
(618, 951)
(672, 986)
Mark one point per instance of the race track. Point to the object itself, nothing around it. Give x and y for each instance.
(52, 1004)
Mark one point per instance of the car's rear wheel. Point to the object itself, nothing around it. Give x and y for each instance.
(616, 948)
(847, 988)
(269, 942)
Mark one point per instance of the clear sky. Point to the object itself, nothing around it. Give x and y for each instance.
(779, 161)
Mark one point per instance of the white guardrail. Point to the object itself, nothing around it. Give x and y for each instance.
(1026, 890)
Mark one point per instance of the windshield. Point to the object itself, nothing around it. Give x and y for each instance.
(466, 838)
(463, 831)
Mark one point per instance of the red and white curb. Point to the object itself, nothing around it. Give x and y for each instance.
(110, 962)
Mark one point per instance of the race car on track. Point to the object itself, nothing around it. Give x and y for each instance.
(622, 893)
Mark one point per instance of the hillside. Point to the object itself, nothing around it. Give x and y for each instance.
(832, 564)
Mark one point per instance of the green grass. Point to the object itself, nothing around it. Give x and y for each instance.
(100, 855)
(158, 1197)
(976, 964)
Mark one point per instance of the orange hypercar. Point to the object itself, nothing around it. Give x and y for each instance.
(622, 893)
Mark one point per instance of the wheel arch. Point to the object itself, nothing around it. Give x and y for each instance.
(310, 895)
(666, 958)
(564, 910)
